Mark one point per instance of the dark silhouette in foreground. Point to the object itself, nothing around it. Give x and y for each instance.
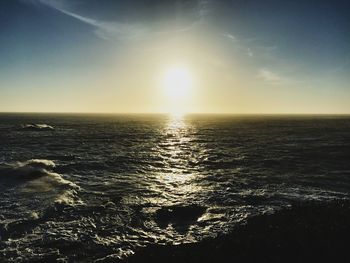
(304, 233)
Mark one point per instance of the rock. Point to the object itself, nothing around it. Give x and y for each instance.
(179, 214)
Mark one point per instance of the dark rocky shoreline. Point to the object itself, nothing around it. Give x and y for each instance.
(306, 232)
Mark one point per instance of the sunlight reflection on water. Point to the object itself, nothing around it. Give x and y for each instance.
(177, 181)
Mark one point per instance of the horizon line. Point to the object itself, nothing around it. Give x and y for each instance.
(169, 113)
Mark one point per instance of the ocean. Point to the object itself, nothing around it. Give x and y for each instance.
(84, 187)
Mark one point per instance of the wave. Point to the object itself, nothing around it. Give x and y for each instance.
(38, 192)
(32, 170)
(37, 127)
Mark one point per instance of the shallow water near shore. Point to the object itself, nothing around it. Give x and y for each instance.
(77, 187)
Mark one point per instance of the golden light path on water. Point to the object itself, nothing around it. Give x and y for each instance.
(177, 180)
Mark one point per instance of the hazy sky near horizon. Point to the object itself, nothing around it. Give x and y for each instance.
(241, 56)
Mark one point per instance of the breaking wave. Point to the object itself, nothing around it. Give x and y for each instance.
(33, 169)
(37, 127)
(36, 176)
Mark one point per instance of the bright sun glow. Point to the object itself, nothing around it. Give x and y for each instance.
(177, 83)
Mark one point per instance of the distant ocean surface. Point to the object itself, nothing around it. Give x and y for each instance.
(89, 187)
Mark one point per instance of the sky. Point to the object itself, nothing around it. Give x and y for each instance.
(215, 56)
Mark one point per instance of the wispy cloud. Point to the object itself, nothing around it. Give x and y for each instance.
(229, 36)
(239, 43)
(110, 30)
(102, 29)
(250, 52)
(269, 76)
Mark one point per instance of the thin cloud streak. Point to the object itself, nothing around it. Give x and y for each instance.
(103, 29)
(269, 76)
(238, 44)
(110, 30)
(116, 30)
(231, 37)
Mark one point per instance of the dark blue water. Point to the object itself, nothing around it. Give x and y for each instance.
(90, 187)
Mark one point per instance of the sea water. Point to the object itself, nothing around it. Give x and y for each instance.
(85, 187)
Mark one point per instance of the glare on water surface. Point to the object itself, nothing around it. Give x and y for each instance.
(177, 179)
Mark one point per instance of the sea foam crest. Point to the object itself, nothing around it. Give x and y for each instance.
(34, 169)
(37, 127)
(37, 163)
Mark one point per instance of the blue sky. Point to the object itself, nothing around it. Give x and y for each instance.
(245, 56)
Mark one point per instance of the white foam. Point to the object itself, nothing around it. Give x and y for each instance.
(39, 127)
(39, 163)
(39, 171)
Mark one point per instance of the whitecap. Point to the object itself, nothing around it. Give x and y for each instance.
(38, 171)
(37, 127)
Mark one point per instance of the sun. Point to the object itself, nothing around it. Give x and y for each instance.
(177, 82)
